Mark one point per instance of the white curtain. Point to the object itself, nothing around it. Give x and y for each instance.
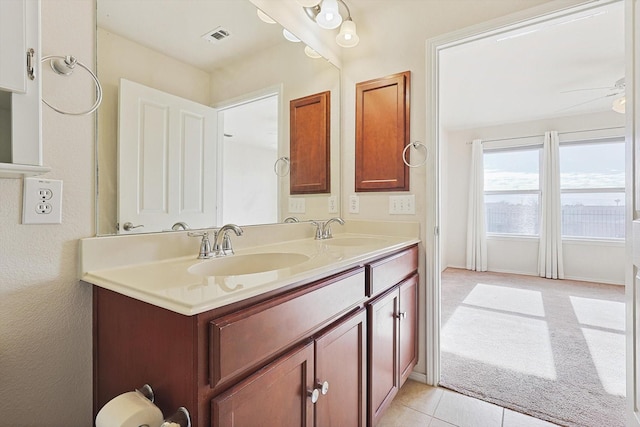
(550, 253)
(476, 228)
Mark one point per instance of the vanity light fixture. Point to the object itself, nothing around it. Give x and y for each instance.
(311, 53)
(264, 17)
(326, 13)
(619, 104)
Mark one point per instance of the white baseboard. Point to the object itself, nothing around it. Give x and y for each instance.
(417, 376)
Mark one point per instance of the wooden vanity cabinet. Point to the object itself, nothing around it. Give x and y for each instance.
(392, 318)
(254, 362)
(321, 383)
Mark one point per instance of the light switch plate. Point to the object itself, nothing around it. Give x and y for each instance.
(42, 201)
(354, 204)
(333, 204)
(297, 205)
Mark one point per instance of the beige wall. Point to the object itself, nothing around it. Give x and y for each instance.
(45, 314)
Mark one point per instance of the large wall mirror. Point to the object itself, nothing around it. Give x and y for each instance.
(213, 76)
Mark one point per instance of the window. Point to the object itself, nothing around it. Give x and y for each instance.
(512, 190)
(592, 181)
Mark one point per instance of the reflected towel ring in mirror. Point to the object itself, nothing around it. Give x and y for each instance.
(64, 66)
(415, 145)
(286, 167)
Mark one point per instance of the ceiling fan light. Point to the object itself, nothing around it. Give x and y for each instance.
(348, 37)
(264, 17)
(619, 105)
(329, 16)
(289, 36)
(308, 3)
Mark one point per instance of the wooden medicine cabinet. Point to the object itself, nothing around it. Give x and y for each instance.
(310, 124)
(382, 133)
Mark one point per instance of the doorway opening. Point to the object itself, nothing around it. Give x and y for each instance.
(249, 137)
(491, 85)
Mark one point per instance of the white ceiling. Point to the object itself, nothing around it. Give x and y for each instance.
(175, 27)
(535, 72)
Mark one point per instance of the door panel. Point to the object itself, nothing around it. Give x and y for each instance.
(166, 160)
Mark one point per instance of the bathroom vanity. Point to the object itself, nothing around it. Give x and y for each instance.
(325, 342)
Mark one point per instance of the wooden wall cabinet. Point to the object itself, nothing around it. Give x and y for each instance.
(310, 147)
(382, 133)
(257, 362)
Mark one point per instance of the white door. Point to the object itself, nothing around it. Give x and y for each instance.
(633, 208)
(166, 160)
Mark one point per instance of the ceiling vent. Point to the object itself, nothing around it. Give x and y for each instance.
(216, 35)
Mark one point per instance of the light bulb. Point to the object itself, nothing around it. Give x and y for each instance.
(348, 36)
(619, 105)
(264, 17)
(329, 16)
(311, 53)
(289, 36)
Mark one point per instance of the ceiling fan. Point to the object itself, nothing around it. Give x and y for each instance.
(617, 92)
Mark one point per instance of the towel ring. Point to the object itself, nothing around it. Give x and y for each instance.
(286, 162)
(64, 66)
(416, 145)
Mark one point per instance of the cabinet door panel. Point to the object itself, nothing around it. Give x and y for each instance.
(340, 362)
(274, 396)
(383, 353)
(408, 327)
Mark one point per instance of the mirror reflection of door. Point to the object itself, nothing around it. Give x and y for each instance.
(248, 153)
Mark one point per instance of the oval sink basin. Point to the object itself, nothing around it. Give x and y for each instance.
(236, 265)
(353, 241)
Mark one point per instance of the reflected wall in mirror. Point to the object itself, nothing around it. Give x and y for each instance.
(159, 45)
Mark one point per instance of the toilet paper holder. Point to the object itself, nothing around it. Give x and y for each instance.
(180, 418)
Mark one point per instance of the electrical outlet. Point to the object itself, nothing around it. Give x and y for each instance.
(42, 201)
(333, 204)
(354, 204)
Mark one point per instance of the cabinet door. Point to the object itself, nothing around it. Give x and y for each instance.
(408, 316)
(383, 353)
(13, 48)
(340, 364)
(276, 395)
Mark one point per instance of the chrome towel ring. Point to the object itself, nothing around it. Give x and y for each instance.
(415, 145)
(287, 166)
(64, 66)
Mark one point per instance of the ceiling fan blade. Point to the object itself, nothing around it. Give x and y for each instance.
(587, 102)
(591, 88)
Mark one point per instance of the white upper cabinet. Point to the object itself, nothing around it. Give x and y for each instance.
(20, 89)
(13, 45)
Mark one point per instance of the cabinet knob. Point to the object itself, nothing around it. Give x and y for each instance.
(314, 395)
(402, 315)
(324, 387)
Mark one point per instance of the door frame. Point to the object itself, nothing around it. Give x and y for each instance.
(541, 13)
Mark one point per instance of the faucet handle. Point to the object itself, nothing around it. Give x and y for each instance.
(205, 246)
(227, 248)
(319, 229)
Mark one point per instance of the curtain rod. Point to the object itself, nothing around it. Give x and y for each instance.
(540, 136)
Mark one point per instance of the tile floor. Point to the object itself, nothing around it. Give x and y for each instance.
(420, 405)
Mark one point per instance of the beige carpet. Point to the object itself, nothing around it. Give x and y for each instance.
(554, 349)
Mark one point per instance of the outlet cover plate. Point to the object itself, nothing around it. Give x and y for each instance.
(42, 201)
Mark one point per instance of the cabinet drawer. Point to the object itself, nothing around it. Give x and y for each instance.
(246, 339)
(390, 271)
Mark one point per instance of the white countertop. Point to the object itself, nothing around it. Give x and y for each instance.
(168, 284)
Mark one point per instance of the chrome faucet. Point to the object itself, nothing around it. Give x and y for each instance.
(206, 251)
(326, 227)
(180, 226)
(323, 229)
(291, 219)
(221, 242)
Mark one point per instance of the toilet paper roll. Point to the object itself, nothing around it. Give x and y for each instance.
(129, 409)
